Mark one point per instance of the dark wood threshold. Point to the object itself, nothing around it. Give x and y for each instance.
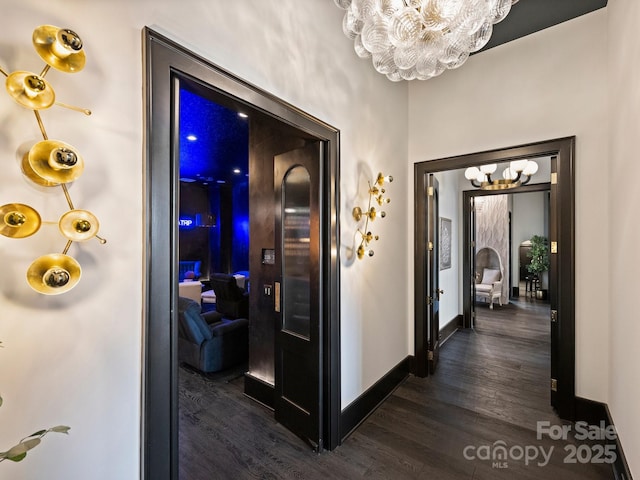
(363, 406)
(593, 413)
(259, 391)
(450, 328)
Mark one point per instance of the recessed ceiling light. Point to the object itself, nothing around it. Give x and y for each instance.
(237, 171)
(192, 138)
(243, 115)
(220, 181)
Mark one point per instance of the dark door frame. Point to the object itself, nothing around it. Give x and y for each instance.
(165, 60)
(433, 273)
(562, 272)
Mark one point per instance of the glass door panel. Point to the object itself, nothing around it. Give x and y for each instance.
(296, 255)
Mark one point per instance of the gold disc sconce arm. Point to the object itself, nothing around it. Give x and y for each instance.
(50, 163)
(376, 193)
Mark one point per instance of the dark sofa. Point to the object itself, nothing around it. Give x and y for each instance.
(209, 342)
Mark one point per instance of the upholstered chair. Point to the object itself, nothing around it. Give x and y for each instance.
(489, 275)
(490, 286)
(231, 300)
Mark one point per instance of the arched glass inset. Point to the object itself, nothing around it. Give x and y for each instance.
(296, 255)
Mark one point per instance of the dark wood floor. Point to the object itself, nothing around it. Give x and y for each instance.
(491, 386)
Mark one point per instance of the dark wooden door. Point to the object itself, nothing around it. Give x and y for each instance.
(298, 375)
(433, 273)
(471, 245)
(561, 392)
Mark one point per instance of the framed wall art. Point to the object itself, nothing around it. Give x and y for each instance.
(445, 243)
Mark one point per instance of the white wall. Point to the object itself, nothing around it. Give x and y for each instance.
(624, 228)
(76, 359)
(547, 85)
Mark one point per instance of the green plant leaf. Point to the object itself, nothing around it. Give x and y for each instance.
(19, 451)
(22, 448)
(60, 429)
(539, 254)
(17, 458)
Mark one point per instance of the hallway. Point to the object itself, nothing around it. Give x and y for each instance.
(491, 386)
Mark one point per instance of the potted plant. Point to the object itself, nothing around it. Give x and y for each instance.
(539, 255)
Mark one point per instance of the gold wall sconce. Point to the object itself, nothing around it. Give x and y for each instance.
(376, 193)
(50, 163)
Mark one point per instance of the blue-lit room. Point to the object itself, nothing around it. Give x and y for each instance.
(243, 174)
(214, 194)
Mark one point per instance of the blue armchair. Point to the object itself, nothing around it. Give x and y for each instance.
(209, 342)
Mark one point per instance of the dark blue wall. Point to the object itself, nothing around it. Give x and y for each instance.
(214, 156)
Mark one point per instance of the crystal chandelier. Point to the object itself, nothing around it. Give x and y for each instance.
(420, 39)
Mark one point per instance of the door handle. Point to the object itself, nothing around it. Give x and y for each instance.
(439, 292)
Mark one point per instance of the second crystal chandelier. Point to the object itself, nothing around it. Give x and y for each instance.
(420, 39)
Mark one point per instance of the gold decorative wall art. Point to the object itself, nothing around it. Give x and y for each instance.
(376, 193)
(50, 163)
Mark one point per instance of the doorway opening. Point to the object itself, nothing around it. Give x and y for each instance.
(169, 68)
(561, 272)
(512, 327)
(500, 229)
